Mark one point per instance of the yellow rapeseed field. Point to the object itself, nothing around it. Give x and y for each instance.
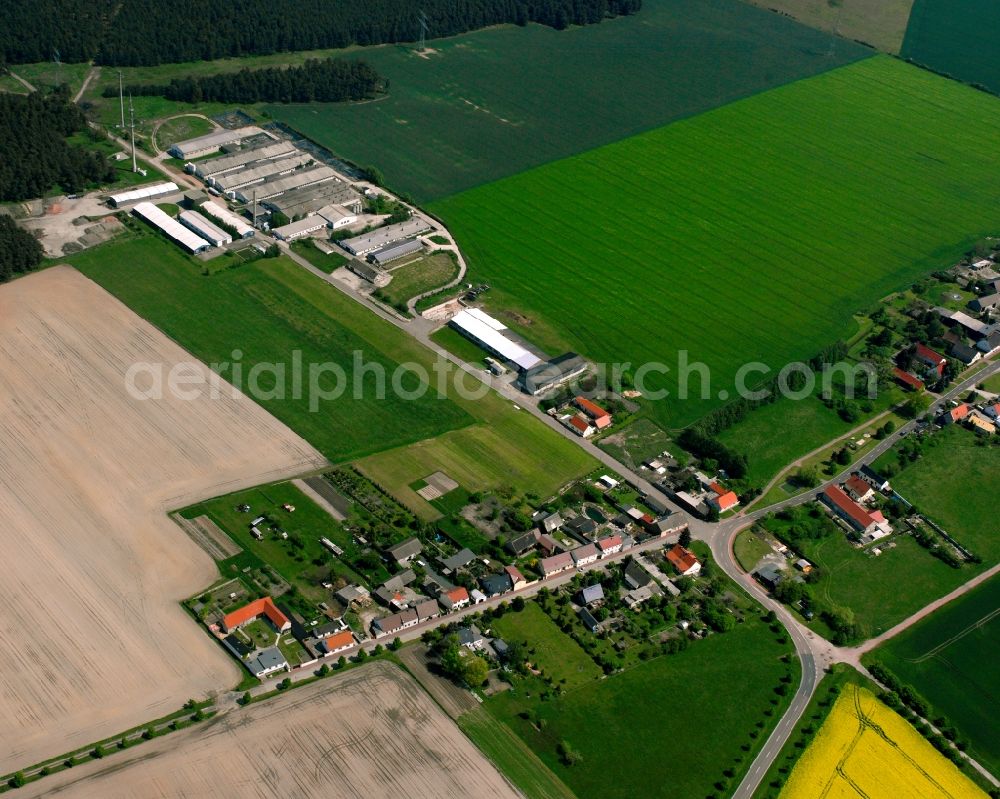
(864, 749)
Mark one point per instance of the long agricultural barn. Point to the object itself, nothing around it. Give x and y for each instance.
(158, 218)
(302, 202)
(487, 332)
(303, 227)
(221, 214)
(394, 251)
(384, 236)
(276, 186)
(227, 163)
(142, 193)
(195, 222)
(258, 171)
(210, 143)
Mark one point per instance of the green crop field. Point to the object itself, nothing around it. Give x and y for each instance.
(670, 725)
(952, 659)
(269, 310)
(674, 241)
(958, 38)
(493, 103)
(273, 308)
(952, 483)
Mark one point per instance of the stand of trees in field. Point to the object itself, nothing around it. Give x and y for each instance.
(148, 32)
(20, 252)
(330, 80)
(34, 153)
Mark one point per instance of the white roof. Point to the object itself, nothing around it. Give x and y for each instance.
(161, 219)
(486, 319)
(143, 192)
(490, 337)
(334, 213)
(224, 215)
(385, 235)
(257, 171)
(213, 140)
(307, 225)
(196, 222)
(225, 163)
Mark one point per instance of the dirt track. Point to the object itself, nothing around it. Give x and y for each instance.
(92, 637)
(368, 733)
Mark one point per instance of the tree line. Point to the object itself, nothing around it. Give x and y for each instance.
(34, 152)
(20, 252)
(149, 32)
(329, 80)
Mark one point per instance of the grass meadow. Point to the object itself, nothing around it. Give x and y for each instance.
(675, 240)
(268, 310)
(490, 104)
(272, 308)
(957, 38)
(671, 725)
(953, 483)
(952, 659)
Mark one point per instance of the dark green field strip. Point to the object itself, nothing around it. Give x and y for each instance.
(952, 658)
(494, 103)
(960, 38)
(268, 311)
(750, 233)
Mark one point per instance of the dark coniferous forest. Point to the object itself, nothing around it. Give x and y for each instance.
(19, 251)
(330, 80)
(34, 153)
(147, 32)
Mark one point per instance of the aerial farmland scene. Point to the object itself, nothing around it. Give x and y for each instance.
(591, 400)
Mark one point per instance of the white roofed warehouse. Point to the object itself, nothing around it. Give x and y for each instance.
(384, 236)
(195, 222)
(395, 251)
(142, 193)
(222, 214)
(303, 227)
(487, 332)
(160, 219)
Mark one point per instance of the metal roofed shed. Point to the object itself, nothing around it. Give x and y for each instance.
(272, 187)
(257, 172)
(310, 199)
(142, 193)
(222, 214)
(158, 218)
(227, 163)
(337, 216)
(195, 222)
(384, 236)
(372, 274)
(395, 251)
(303, 227)
(549, 374)
(211, 142)
(487, 333)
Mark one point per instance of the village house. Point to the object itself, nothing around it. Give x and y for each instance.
(471, 638)
(684, 561)
(549, 522)
(599, 417)
(933, 362)
(672, 524)
(580, 425)
(522, 544)
(548, 544)
(589, 621)
(261, 608)
(265, 662)
(556, 563)
(517, 580)
(428, 609)
(339, 642)
(858, 489)
(635, 575)
(495, 584)
(721, 498)
(460, 559)
(637, 596)
(874, 479)
(964, 353)
(585, 555)
(906, 380)
(977, 421)
(610, 545)
(956, 414)
(454, 599)
(405, 551)
(872, 525)
(591, 594)
(394, 623)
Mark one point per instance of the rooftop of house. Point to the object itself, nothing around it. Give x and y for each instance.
(260, 607)
(681, 558)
